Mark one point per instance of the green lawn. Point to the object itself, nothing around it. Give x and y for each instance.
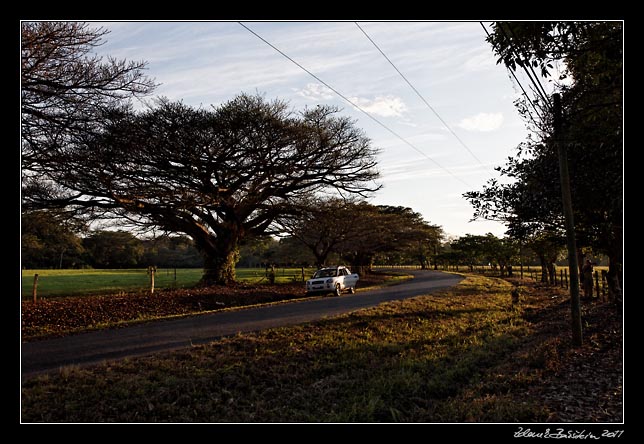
(56, 283)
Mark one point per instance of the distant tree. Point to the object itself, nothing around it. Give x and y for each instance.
(319, 225)
(291, 252)
(218, 175)
(416, 237)
(548, 247)
(384, 230)
(171, 252)
(258, 251)
(50, 239)
(65, 92)
(501, 251)
(114, 249)
(486, 249)
(469, 249)
(452, 258)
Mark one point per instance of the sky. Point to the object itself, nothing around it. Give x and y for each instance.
(425, 162)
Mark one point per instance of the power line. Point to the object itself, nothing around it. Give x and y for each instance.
(520, 86)
(354, 104)
(540, 89)
(535, 81)
(418, 94)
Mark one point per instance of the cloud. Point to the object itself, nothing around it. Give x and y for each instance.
(384, 106)
(482, 122)
(315, 91)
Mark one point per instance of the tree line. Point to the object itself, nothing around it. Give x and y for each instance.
(400, 237)
(317, 238)
(50, 243)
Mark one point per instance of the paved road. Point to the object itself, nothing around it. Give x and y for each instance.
(142, 339)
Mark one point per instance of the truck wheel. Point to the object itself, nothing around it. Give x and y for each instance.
(338, 290)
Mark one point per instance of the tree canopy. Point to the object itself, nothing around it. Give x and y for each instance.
(65, 91)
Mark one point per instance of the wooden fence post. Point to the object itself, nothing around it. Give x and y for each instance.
(597, 283)
(34, 292)
(151, 271)
(566, 277)
(604, 286)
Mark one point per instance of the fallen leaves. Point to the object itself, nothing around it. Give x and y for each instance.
(63, 315)
(576, 384)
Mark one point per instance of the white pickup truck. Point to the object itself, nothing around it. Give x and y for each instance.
(332, 280)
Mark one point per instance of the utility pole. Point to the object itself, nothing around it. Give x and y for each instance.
(570, 223)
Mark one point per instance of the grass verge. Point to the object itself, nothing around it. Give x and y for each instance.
(464, 354)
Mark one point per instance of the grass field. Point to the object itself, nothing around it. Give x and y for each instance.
(57, 283)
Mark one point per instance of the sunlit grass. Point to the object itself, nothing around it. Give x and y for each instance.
(52, 283)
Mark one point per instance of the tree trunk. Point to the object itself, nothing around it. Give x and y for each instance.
(544, 269)
(220, 269)
(320, 259)
(221, 255)
(581, 261)
(613, 278)
(361, 263)
(551, 273)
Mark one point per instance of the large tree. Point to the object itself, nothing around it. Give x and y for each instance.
(170, 252)
(217, 175)
(474, 249)
(359, 231)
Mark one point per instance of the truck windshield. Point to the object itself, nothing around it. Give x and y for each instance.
(325, 272)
